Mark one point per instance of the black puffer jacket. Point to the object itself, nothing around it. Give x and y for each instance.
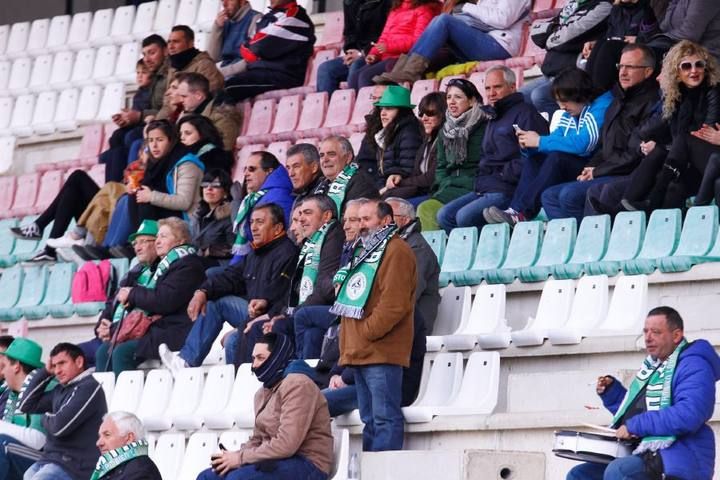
(212, 231)
(364, 21)
(398, 157)
(635, 19)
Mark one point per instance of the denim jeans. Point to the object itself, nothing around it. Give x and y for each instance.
(293, 468)
(334, 71)
(311, 323)
(568, 199)
(362, 77)
(466, 42)
(46, 471)
(626, 468)
(119, 228)
(379, 395)
(466, 211)
(123, 357)
(12, 467)
(341, 400)
(207, 327)
(539, 93)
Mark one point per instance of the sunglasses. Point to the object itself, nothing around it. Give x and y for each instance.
(210, 185)
(687, 66)
(427, 113)
(251, 168)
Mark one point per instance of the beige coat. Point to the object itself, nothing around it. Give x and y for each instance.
(227, 120)
(96, 217)
(187, 178)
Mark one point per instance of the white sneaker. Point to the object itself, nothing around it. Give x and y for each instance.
(171, 360)
(66, 241)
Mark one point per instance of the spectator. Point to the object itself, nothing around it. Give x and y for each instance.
(233, 26)
(564, 38)
(691, 99)
(416, 186)
(500, 160)
(5, 341)
(364, 21)
(277, 55)
(193, 91)
(241, 292)
(486, 30)
(184, 57)
(73, 412)
(210, 226)
(635, 95)
(366, 158)
(200, 134)
(560, 156)
(406, 21)
(19, 360)
(396, 139)
(459, 146)
(291, 438)
(123, 450)
(697, 21)
(343, 179)
(162, 296)
(710, 184)
(303, 166)
(155, 57)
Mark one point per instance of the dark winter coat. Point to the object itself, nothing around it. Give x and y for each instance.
(359, 186)
(633, 19)
(423, 175)
(212, 231)
(364, 21)
(139, 468)
(398, 158)
(694, 20)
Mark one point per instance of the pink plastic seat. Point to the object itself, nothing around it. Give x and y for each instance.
(91, 144)
(338, 113)
(540, 5)
(312, 116)
(332, 35)
(527, 57)
(482, 66)
(356, 140)
(7, 194)
(25, 194)
(108, 130)
(422, 88)
(286, 118)
(261, 121)
(363, 106)
(478, 79)
(245, 109)
(311, 140)
(242, 156)
(50, 184)
(311, 78)
(279, 149)
(97, 173)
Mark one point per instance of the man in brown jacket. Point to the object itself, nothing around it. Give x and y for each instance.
(376, 300)
(291, 439)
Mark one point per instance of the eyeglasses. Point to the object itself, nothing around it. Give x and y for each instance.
(620, 66)
(142, 241)
(427, 113)
(211, 185)
(251, 168)
(687, 66)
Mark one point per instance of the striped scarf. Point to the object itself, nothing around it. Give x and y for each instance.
(113, 458)
(242, 243)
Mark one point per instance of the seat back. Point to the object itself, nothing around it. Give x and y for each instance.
(186, 392)
(437, 239)
(592, 239)
(243, 393)
(144, 18)
(590, 305)
(627, 235)
(488, 310)
(101, 24)
(105, 62)
(62, 67)
(7, 191)
(6, 108)
(279, 149)
(37, 39)
(421, 88)
(356, 140)
(83, 66)
(127, 59)
(340, 108)
(121, 266)
(79, 28)
(11, 285)
(207, 12)
(23, 112)
(25, 247)
(492, 247)
(662, 235)
(128, 389)
(480, 384)
(122, 22)
(699, 231)
(107, 382)
(341, 457)
(363, 105)
(443, 382)
(187, 12)
(242, 156)
(165, 15)
(91, 142)
(17, 41)
(460, 252)
(233, 439)
(5, 68)
(112, 101)
(559, 242)
(453, 309)
(50, 184)
(26, 192)
(169, 453)
(66, 107)
(59, 287)
(218, 387)
(288, 112)
(628, 306)
(40, 75)
(524, 245)
(261, 117)
(155, 395)
(20, 73)
(555, 304)
(199, 449)
(333, 30)
(58, 31)
(4, 34)
(313, 111)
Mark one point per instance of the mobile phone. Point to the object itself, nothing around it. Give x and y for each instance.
(222, 447)
(516, 127)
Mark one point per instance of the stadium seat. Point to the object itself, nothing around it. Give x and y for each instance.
(311, 79)
(285, 119)
(589, 309)
(11, 285)
(100, 28)
(64, 120)
(5, 68)
(121, 266)
(107, 381)
(279, 149)
(480, 387)
(698, 236)
(21, 120)
(34, 284)
(61, 70)
(20, 76)
(82, 68)
(121, 27)
(25, 195)
(143, 24)
(239, 409)
(215, 396)
(453, 311)
(113, 99)
(526, 58)
(97, 173)
(79, 31)
(553, 311)
(341, 454)
(105, 63)
(207, 12)
(421, 88)
(244, 109)
(128, 389)
(338, 114)
(7, 150)
(437, 239)
(183, 401)
(487, 316)
(625, 241)
(17, 40)
(356, 141)
(490, 254)
(332, 33)
(260, 121)
(40, 76)
(4, 34)
(233, 439)
(187, 12)
(42, 120)
(242, 156)
(6, 108)
(460, 253)
(523, 251)
(58, 33)
(628, 307)
(50, 184)
(590, 246)
(126, 63)
(557, 248)
(38, 36)
(197, 454)
(661, 240)
(56, 301)
(312, 115)
(165, 16)
(169, 453)
(363, 106)
(155, 398)
(442, 386)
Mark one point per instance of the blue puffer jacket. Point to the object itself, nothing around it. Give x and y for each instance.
(692, 456)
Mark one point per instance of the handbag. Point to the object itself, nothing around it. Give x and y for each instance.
(135, 325)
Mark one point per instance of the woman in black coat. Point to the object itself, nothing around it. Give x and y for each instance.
(202, 138)
(211, 226)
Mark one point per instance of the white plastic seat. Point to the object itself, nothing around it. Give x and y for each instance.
(62, 68)
(240, 409)
(553, 312)
(66, 110)
(58, 33)
(4, 36)
(453, 310)
(628, 307)
(88, 105)
(113, 99)
(6, 109)
(214, 398)
(165, 17)
(216, 356)
(20, 76)
(341, 454)
(5, 68)
(38, 36)
(83, 68)
(233, 439)
(122, 25)
(100, 27)
(487, 316)
(442, 386)
(168, 454)
(197, 454)
(589, 309)
(107, 380)
(478, 394)
(349, 419)
(17, 40)
(21, 121)
(201, 39)
(128, 388)
(155, 396)
(184, 400)
(7, 149)
(127, 62)
(206, 14)
(143, 24)
(79, 31)
(104, 65)
(187, 12)
(40, 76)
(42, 120)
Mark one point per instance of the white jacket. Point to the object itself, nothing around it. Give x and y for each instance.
(506, 17)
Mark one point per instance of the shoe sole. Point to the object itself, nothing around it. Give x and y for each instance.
(493, 217)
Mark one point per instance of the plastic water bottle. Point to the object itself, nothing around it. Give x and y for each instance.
(354, 467)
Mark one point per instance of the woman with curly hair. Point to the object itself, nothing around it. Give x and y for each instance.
(691, 99)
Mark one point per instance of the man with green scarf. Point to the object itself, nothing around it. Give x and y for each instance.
(376, 300)
(123, 450)
(665, 410)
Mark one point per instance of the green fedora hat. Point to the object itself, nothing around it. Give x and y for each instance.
(147, 227)
(26, 351)
(395, 96)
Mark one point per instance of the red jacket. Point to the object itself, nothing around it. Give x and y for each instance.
(403, 27)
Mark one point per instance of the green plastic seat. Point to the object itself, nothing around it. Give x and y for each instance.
(459, 252)
(57, 298)
(34, 285)
(698, 237)
(7, 239)
(437, 239)
(523, 251)
(89, 309)
(661, 240)
(590, 246)
(557, 247)
(625, 242)
(10, 285)
(23, 249)
(121, 267)
(489, 255)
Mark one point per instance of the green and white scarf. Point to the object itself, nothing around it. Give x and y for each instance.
(242, 243)
(148, 278)
(357, 277)
(338, 187)
(11, 414)
(658, 395)
(112, 459)
(310, 261)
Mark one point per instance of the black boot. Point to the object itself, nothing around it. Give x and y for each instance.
(656, 197)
